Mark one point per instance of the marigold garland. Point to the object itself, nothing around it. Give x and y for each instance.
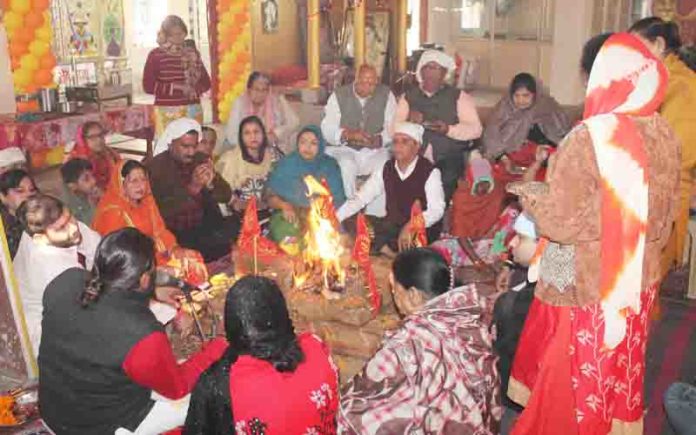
(29, 30)
(234, 51)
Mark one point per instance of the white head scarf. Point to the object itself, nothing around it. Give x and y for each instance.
(411, 130)
(437, 56)
(12, 156)
(175, 130)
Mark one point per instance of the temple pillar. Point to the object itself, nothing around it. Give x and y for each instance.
(313, 60)
(359, 31)
(401, 30)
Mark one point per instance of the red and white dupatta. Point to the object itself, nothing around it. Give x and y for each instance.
(626, 80)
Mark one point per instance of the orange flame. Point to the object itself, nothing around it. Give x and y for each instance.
(323, 249)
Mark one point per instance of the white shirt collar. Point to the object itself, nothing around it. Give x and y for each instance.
(409, 169)
(429, 94)
(360, 99)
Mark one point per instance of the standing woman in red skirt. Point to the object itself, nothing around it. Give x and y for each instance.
(606, 210)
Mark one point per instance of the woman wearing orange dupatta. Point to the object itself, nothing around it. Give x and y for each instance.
(128, 202)
(90, 145)
(606, 211)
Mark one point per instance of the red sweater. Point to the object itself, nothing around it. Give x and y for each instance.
(151, 363)
(305, 401)
(162, 70)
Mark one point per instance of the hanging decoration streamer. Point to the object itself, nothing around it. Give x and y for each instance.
(29, 30)
(234, 52)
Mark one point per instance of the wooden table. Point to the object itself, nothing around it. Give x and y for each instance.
(45, 137)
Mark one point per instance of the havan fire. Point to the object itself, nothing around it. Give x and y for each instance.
(321, 267)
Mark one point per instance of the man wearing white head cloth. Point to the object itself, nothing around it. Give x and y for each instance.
(187, 191)
(447, 113)
(12, 158)
(404, 179)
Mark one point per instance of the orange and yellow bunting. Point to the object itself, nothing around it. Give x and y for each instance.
(234, 51)
(29, 30)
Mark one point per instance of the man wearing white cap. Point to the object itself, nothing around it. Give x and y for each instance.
(187, 191)
(12, 158)
(404, 179)
(447, 113)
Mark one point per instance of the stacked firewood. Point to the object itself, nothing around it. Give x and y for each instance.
(347, 324)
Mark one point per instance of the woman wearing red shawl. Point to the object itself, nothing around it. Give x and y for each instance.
(128, 202)
(90, 145)
(606, 211)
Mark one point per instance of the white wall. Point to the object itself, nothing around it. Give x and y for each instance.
(569, 37)
(7, 105)
(556, 63)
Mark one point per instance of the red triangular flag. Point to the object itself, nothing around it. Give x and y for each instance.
(251, 230)
(250, 223)
(327, 207)
(361, 249)
(361, 255)
(418, 225)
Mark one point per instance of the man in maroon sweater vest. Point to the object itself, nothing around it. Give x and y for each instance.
(406, 178)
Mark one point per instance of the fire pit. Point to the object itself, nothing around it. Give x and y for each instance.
(326, 289)
(321, 267)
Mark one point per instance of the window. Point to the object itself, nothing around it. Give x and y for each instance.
(472, 14)
(147, 18)
(473, 19)
(640, 9)
(530, 20)
(413, 41)
(506, 19)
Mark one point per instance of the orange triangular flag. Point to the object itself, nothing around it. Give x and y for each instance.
(251, 231)
(361, 255)
(418, 225)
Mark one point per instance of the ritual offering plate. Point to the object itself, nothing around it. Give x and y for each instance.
(18, 406)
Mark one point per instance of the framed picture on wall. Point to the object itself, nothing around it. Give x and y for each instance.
(269, 16)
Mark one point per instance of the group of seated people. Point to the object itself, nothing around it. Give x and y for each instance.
(111, 368)
(119, 220)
